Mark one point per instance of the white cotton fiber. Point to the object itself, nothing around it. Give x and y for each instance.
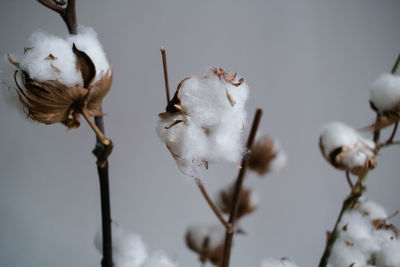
(159, 259)
(358, 231)
(213, 115)
(280, 160)
(360, 240)
(128, 248)
(45, 55)
(284, 262)
(356, 150)
(389, 256)
(86, 40)
(385, 92)
(48, 57)
(372, 209)
(198, 233)
(344, 254)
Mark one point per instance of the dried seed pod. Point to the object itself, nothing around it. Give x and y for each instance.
(248, 201)
(207, 241)
(265, 156)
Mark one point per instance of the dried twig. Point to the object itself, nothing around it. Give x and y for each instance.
(164, 59)
(212, 205)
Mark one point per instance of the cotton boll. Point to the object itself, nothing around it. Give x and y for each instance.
(389, 256)
(198, 233)
(346, 149)
(48, 57)
(385, 92)
(266, 156)
(158, 259)
(205, 120)
(284, 262)
(86, 40)
(128, 248)
(372, 209)
(344, 254)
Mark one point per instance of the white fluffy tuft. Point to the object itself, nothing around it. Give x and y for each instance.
(129, 249)
(158, 259)
(48, 57)
(284, 262)
(385, 92)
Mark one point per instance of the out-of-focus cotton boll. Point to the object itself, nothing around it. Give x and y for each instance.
(346, 149)
(205, 120)
(158, 259)
(365, 239)
(385, 93)
(129, 250)
(284, 262)
(266, 156)
(207, 241)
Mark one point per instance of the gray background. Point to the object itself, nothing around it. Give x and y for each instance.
(306, 62)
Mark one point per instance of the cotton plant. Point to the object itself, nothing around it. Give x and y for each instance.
(362, 235)
(58, 79)
(203, 124)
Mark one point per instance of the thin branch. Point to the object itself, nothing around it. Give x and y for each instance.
(52, 5)
(68, 13)
(390, 140)
(238, 185)
(164, 59)
(353, 189)
(211, 203)
(396, 65)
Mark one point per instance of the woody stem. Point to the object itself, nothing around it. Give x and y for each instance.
(211, 203)
(238, 185)
(164, 59)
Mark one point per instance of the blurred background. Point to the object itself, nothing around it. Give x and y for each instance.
(307, 62)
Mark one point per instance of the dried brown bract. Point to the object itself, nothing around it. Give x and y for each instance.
(207, 251)
(224, 75)
(248, 201)
(261, 155)
(52, 101)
